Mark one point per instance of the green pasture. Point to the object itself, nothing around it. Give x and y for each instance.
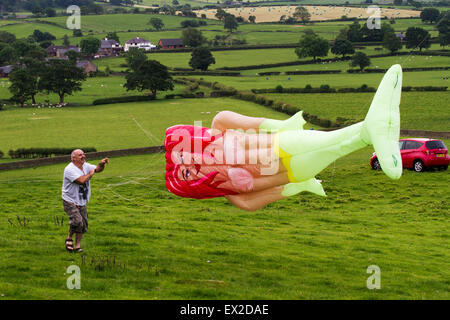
(145, 243)
(114, 126)
(92, 89)
(425, 78)
(418, 110)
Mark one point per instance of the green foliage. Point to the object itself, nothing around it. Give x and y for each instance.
(32, 153)
(301, 13)
(192, 37)
(23, 85)
(61, 77)
(230, 23)
(7, 37)
(430, 15)
(150, 75)
(361, 60)
(156, 23)
(113, 36)
(417, 38)
(7, 54)
(392, 42)
(342, 47)
(89, 46)
(201, 58)
(312, 45)
(122, 99)
(135, 57)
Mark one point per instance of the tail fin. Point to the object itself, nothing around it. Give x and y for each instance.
(381, 127)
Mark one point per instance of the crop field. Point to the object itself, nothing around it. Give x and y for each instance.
(318, 13)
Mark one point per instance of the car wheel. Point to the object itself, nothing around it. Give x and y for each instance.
(376, 164)
(443, 168)
(418, 166)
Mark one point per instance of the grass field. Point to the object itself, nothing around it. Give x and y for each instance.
(166, 247)
(419, 110)
(92, 89)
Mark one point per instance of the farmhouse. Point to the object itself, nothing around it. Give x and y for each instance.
(170, 43)
(109, 47)
(87, 66)
(5, 71)
(139, 43)
(60, 51)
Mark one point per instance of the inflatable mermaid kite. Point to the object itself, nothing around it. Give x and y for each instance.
(255, 161)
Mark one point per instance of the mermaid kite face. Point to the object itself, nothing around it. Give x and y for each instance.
(186, 173)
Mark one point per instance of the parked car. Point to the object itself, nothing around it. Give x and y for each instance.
(419, 154)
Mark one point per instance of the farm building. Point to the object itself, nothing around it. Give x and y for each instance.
(109, 47)
(87, 66)
(60, 51)
(139, 43)
(170, 43)
(5, 71)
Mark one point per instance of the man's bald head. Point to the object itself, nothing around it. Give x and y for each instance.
(78, 157)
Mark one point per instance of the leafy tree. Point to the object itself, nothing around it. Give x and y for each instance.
(40, 36)
(417, 37)
(135, 57)
(156, 23)
(50, 12)
(392, 42)
(23, 85)
(220, 14)
(189, 23)
(430, 15)
(7, 54)
(312, 45)
(342, 35)
(361, 60)
(398, 2)
(301, 13)
(7, 37)
(175, 2)
(342, 47)
(354, 32)
(77, 33)
(23, 46)
(66, 41)
(252, 19)
(192, 37)
(73, 56)
(444, 29)
(201, 58)
(151, 75)
(61, 77)
(90, 46)
(230, 23)
(113, 36)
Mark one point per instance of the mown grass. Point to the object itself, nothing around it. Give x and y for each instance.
(92, 89)
(145, 243)
(115, 126)
(425, 78)
(418, 110)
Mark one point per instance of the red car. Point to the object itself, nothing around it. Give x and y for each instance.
(419, 154)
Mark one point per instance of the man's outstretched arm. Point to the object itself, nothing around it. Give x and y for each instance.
(101, 166)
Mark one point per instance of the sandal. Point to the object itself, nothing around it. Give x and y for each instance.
(78, 250)
(69, 245)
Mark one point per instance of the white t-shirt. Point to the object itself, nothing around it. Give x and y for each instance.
(72, 191)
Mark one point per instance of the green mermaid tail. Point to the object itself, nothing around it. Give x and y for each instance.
(305, 153)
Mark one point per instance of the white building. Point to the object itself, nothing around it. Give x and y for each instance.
(139, 43)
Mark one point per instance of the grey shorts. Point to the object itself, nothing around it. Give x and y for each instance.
(78, 217)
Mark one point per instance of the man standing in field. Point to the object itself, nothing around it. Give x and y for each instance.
(76, 192)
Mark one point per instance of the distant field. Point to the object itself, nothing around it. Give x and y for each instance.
(418, 110)
(93, 89)
(110, 127)
(426, 78)
(318, 13)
